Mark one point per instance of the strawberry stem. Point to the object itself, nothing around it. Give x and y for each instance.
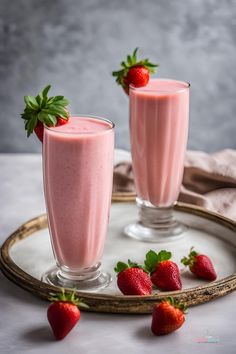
(68, 297)
(190, 260)
(176, 303)
(120, 266)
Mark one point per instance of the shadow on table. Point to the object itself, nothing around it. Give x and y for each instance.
(144, 333)
(39, 335)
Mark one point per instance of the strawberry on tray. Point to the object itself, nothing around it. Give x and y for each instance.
(165, 274)
(132, 279)
(200, 265)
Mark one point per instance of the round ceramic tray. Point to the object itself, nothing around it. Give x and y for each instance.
(27, 253)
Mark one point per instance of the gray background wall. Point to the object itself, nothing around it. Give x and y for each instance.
(74, 45)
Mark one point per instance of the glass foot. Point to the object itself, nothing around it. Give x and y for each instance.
(155, 224)
(89, 280)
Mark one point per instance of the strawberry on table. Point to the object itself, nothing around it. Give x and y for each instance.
(164, 272)
(132, 279)
(167, 317)
(200, 265)
(63, 313)
(134, 72)
(43, 110)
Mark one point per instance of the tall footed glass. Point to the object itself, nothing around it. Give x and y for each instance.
(78, 169)
(159, 118)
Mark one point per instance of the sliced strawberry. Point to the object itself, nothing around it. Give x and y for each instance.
(200, 265)
(164, 272)
(134, 72)
(167, 317)
(132, 279)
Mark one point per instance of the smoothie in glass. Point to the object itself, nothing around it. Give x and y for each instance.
(159, 115)
(158, 130)
(78, 168)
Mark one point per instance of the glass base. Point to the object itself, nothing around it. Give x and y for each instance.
(155, 224)
(90, 279)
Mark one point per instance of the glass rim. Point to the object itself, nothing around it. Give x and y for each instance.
(143, 88)
(84, 116)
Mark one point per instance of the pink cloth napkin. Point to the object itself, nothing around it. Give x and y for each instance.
(209, 180)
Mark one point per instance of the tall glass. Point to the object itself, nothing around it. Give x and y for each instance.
(159, 118)
(78, 169)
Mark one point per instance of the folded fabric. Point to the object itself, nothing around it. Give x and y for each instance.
(123, 178)
(209, 180)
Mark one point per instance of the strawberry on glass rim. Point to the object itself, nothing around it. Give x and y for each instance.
(134, 72)
(43, 110)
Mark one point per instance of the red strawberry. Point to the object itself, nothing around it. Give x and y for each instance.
(63, 314)
(200, 265)
(39, 129)
(42, 110)
(164, 272)
(138, 76)
(167, 276)
(134, 72)
(62, 121)
(132, 279)
(167, 317)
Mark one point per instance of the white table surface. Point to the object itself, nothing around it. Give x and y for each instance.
(209, 328)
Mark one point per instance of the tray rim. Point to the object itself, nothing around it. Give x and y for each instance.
(116, 303)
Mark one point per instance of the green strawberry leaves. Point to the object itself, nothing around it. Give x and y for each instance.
(68, 297)
(131, 61)
(120, 266)
(44, 109)
(153, 259)
(45, 91)
(190, 260)
(176, 303)
(150, 263)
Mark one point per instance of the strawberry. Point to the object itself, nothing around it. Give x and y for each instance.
(132, 279)
(39, 128)
(200, 265)
(164, 272)
(43, 110)
(167, 317)
(138, 76)
(134, 72)
(63, 313)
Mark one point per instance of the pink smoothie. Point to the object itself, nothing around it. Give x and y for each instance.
(159, 115)
(78, 166)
